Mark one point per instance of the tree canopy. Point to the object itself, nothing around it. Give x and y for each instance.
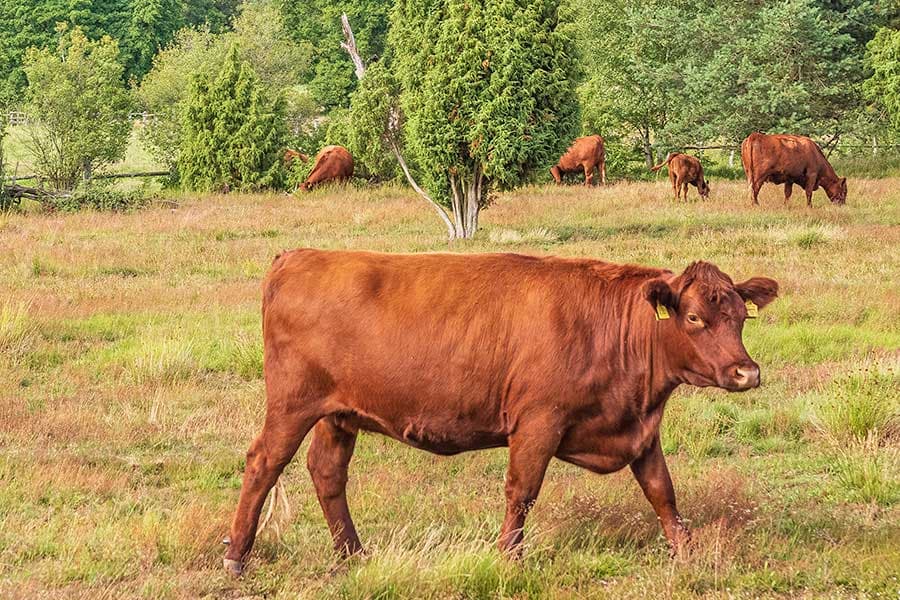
(488, 94)
(318, 24)
(141, 28)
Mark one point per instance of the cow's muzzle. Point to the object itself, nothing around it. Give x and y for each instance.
(742, 377)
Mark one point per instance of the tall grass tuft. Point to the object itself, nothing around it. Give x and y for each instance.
(869, 471)
(164, 361)
(16, 328)
(246, 357)
(862, 404)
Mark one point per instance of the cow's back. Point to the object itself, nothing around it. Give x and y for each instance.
(687, 167)
(332, 162)
(456, 339)
(588, 149)
(781, 157)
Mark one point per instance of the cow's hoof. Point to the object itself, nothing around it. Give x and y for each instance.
(235, 568)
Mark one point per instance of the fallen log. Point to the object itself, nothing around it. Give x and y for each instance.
(20, 191)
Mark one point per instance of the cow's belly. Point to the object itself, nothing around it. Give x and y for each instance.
(440, 434)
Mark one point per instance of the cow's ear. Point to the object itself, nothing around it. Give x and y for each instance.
(658, 291)
(761, 290)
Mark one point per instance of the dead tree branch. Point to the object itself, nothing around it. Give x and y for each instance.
(350, 46)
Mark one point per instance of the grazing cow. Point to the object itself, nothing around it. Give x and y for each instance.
(585, 154)
(684, 169)
(291, 155)
(333, 163)
(552, 357)
(790, 159)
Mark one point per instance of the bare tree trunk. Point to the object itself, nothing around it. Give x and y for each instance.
(350, 46)
(466, 202)
(731, 159)
(648, 149)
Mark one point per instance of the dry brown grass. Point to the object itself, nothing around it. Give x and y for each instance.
(129, 391)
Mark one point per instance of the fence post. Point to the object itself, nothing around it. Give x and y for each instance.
(731, 159)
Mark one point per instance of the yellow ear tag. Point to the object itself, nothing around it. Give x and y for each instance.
(662, 313)
(752, 309)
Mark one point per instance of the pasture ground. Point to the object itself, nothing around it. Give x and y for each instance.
(130, 388)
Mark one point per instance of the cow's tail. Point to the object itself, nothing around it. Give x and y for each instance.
(664, 163)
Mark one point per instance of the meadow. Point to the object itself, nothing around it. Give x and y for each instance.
(130, 389)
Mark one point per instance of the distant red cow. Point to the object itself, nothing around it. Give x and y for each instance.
(684, 169)
(570, 358)
(585, 154)
(790, 159)
(291, 155)
(333, 163)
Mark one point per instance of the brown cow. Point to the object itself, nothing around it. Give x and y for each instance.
(684, 169)
(585, 154)
(790, 159)
(551, 357)
(291, 155)
(333, 163)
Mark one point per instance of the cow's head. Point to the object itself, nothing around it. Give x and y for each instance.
(702, 336)
(837, 192)
(703, 188)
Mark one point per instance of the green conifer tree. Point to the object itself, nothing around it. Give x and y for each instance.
(234, 131)
(488, 91)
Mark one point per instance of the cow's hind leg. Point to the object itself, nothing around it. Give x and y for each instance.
(329, 455)
(295, 399)
(267, 457)
(530, 451)
(754, 191)
(788, 191)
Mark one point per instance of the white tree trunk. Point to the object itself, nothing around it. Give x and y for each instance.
(466, 203)
(350, 46)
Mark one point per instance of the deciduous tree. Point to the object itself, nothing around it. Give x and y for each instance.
(78, 108)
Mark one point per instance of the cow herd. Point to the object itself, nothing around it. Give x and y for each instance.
(563, 358)
(780, 159)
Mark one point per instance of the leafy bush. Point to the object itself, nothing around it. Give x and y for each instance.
(259, 32)
(78, 106)
(101, 197)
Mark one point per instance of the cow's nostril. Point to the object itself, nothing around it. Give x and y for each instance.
(746, 376)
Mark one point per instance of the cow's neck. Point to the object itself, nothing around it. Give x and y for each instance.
(645, 363)
(829, 181)
(658, 381)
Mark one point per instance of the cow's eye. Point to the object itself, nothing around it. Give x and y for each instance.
(694, 319)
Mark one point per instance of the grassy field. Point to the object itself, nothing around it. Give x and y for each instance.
(20, 160)
(130, 388)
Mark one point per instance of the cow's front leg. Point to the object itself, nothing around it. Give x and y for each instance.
(530, 451)
(652, 474)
